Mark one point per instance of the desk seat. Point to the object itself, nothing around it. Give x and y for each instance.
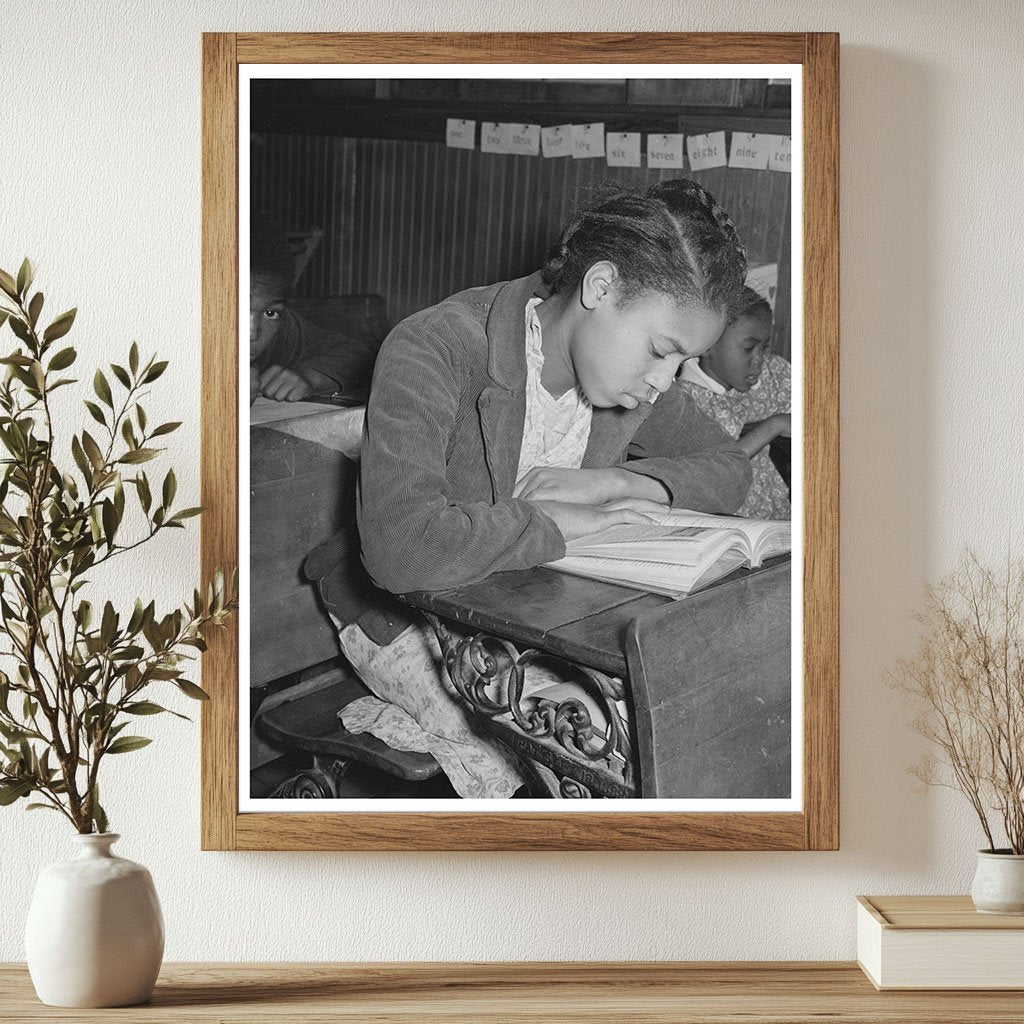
(309, 723)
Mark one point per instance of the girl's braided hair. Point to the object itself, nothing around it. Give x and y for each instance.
(672, 238)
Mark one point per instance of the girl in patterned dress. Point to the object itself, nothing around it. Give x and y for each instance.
(745, 388)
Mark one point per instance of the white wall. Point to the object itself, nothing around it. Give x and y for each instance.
(100, 183)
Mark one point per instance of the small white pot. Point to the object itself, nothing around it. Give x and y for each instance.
(999, 882)
(95, 934)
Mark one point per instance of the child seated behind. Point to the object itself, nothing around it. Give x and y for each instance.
(289, 357)
(745, 388)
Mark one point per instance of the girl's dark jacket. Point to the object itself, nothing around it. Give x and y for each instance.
(444, 427)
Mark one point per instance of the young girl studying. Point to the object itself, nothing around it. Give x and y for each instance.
(500, 420)
(745, 388)
(509, 419)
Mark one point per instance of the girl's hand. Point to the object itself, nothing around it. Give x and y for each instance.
(575, 486)
(574, 520)
(587, 486)
(254, 383)
(783, 424)
(645, 506)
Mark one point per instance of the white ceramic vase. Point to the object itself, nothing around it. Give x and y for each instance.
(95, 934)
(999, 882)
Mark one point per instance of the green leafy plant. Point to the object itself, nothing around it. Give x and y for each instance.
(79, 674)
(967, 682)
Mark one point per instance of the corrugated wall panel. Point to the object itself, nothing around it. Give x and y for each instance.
(416, 221)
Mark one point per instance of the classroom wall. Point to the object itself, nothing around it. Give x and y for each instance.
(100, 182)
(414, 220)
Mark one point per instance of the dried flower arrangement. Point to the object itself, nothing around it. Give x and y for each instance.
(967, 678)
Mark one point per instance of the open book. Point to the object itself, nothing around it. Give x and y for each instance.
(677, 553)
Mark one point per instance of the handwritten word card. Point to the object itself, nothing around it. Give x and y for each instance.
(556, 141)
(779, 153)
(665, 151)
(523, 139)
(706, 151)
(622, 149)
(459, 133)
(493, 137)
(749, 149)
(588, 140)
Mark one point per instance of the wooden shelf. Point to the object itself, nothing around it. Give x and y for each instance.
(636, 993)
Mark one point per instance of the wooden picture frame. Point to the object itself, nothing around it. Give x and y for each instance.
(816, 826)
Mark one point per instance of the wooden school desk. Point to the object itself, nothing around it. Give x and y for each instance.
(301, 491)
(706, 680)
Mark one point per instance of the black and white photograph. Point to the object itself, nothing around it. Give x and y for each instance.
(520, 458)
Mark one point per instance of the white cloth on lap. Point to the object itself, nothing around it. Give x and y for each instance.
(416, 708)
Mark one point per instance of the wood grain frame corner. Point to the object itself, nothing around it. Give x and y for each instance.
(817, 827)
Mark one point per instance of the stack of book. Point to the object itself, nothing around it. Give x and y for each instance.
(938, 942)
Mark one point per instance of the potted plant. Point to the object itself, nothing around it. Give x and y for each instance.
(79, 671)
(967, 679)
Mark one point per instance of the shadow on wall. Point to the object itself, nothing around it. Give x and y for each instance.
(888, 308)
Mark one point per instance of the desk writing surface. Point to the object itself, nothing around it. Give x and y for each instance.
(330, 426)
(580, 619)
(602, 637)
(528, 605)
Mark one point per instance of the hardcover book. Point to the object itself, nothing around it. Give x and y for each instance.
(938, 942)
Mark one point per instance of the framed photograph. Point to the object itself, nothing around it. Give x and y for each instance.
(524, 311)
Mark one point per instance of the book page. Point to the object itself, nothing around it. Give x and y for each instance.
(682, 528)
(681, 548)
(640, 542)
(752, 529)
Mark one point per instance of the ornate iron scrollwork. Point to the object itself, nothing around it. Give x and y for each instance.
(574, 790)
(489, 673)
(317, 783)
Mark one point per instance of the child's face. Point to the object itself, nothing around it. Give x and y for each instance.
(266, 305)
(737, 358)
(627, 354)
